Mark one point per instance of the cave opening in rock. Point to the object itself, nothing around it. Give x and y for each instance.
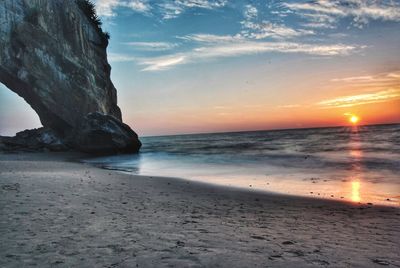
(15, 113)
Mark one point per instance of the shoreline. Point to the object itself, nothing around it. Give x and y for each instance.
(384, 202)
(247, 191)
(57, 212)
(76, 157)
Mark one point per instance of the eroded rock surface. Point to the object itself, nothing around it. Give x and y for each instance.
(53, 56)
(103, 133)
(33, 140)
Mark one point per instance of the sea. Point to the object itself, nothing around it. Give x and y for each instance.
(358, 164)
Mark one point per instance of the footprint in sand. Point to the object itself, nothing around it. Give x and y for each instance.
(380, 262)
(11, 187)
(258, 237)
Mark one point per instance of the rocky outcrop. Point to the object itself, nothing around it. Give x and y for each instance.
(33, 140)
(98, 134)
(53, 55)
(103, 133)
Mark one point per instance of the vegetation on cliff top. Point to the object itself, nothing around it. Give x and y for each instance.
(89, 9)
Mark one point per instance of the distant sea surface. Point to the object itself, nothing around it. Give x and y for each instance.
(355, 164)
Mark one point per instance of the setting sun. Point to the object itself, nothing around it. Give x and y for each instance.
(354, 119)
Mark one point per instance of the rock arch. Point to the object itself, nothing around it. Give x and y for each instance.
(15, 113)
(53, 56)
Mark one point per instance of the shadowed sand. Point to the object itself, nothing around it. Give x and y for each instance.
(58, 213)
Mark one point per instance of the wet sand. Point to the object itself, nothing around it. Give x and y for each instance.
(55, 213)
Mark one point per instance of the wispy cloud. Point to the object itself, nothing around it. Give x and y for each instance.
(267, 29)
(318, 20)
(212, 39)
(166, 8)
(348, 101)
(250, 12)
(230, 46)
(115, 57)
(152, 46)
(289, 106)
(163, 63)
(323, 13)
(106, 8)
(172, 9)
(386, 88)
(256, 28)
(365, 78)
(387, 80)
(395, 74)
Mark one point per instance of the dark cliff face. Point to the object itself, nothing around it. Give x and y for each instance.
(53, 56)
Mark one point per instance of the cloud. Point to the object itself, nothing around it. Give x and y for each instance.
(386, 88)
(267, 29)
(251, 47)
(318, 20)
(137, 5)
(255, 28)
(167, 9)
(348, 101)
(289, 106)
(172, 9)
(214, 47)
(325, 14)
(163, 63)
(115, 57)
(152, 46)
(391, 79)
(317, 25)
(394, 75)
(366, 78)
(207, 4)
(106, 8)
(250, 12)
(211, 38)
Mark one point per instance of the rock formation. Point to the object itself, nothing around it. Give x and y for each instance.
(33, 140)
(104, 133)
(53, 55)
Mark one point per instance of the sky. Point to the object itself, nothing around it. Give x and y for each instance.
(192, 66)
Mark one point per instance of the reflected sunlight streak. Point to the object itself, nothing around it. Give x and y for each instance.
(355, 191)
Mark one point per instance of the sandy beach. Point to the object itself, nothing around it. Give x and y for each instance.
(54, 212)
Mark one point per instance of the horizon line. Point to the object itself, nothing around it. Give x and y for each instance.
(272, 129)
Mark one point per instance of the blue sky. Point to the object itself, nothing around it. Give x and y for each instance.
(160, 35)
(189, 66)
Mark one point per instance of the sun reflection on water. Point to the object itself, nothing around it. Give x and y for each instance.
(355, 191)
(356, 153)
